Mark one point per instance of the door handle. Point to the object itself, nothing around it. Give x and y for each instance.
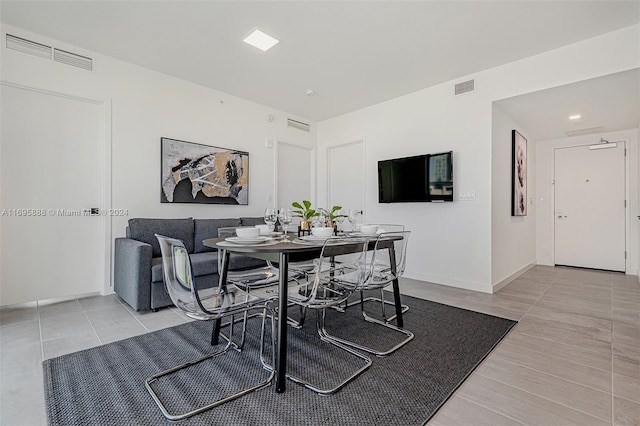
(562, 217)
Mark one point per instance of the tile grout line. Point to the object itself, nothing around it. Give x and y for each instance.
(543, 397)
(593, 351)
(40, 330)
(84, 311)
(553, 375)
(134, 317)
(554, 356)
(477, 372)
(537, 300)
(613, 407)
(490, 409)
(590, 351)
(611, 347)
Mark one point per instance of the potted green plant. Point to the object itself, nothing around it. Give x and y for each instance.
(305, 212)
(335, 213)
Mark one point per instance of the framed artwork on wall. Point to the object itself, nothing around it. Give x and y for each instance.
(196, 173)
(518, 174)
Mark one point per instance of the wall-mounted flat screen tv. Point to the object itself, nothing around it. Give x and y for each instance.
(421, 178)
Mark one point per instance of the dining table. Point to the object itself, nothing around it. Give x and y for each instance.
(283, 252)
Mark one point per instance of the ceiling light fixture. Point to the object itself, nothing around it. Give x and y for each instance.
(261, 40)
(574, 117)
(310, 92)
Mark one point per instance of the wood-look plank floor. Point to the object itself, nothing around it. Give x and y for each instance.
(573, 358)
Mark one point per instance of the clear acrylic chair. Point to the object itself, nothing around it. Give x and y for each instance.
(257, 276)
(340, 270)
(384, 228)
(388, 259)
(225, 300)
(260, 279)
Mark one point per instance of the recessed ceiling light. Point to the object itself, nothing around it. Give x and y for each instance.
(261, 40)
(310, 92)
(574, 117)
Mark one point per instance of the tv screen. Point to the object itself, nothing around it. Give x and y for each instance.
(422, 178)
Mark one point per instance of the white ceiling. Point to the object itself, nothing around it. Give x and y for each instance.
(611, 102)
(352, 53)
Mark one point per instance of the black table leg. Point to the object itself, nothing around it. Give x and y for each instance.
(396, 288)
(281, 350)
(215, 333)
(224, 266)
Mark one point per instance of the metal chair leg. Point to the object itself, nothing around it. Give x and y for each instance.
(409, 336)
(320, 326)
(180, 416)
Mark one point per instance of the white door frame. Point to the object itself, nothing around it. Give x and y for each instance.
(355, 141)
(314, 182)
(624, 141)
(105, 132)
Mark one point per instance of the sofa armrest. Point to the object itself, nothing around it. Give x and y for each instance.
(132, 272)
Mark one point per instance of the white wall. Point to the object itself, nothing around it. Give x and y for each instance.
(544, 194)
(145, 106)
(513, 239)
(452, 243)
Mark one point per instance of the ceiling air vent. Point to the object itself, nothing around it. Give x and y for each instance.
(586, 131)
(27, 46)
(72, 59)
(464, 87)
(298, 125)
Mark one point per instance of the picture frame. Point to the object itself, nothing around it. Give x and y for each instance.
(518, 174)
(203, 174)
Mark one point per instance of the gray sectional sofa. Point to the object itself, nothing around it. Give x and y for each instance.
(138, 262)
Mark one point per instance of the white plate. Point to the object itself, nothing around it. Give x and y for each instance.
(315, 238)
(255, 240)
(260, 244)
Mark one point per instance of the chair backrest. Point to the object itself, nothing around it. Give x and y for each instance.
(178, 276)
(390, 227)
(389, 257)
(340, 269)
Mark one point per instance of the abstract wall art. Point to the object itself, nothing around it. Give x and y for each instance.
(519, 174)
(195, 173)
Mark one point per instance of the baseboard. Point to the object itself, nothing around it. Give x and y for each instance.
(512, 277)
(435, 279)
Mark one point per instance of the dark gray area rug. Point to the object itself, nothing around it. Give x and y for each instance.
(105, 385)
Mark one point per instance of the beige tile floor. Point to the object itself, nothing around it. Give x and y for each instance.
(574, 357)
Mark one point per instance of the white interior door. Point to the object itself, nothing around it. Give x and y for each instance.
(52, 169)
(346, 173)
(296, 172)
(590, 207)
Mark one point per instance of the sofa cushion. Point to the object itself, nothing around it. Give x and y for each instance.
(144, 230)
(252, 221)
(202, 264)
(207, 263)
(240, 262)
(208, 228)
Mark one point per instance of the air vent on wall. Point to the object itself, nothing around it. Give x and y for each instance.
(72, 59)
(42, 50)
(27, 46)
(464, 87)
(586, 131)
(298, 124)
